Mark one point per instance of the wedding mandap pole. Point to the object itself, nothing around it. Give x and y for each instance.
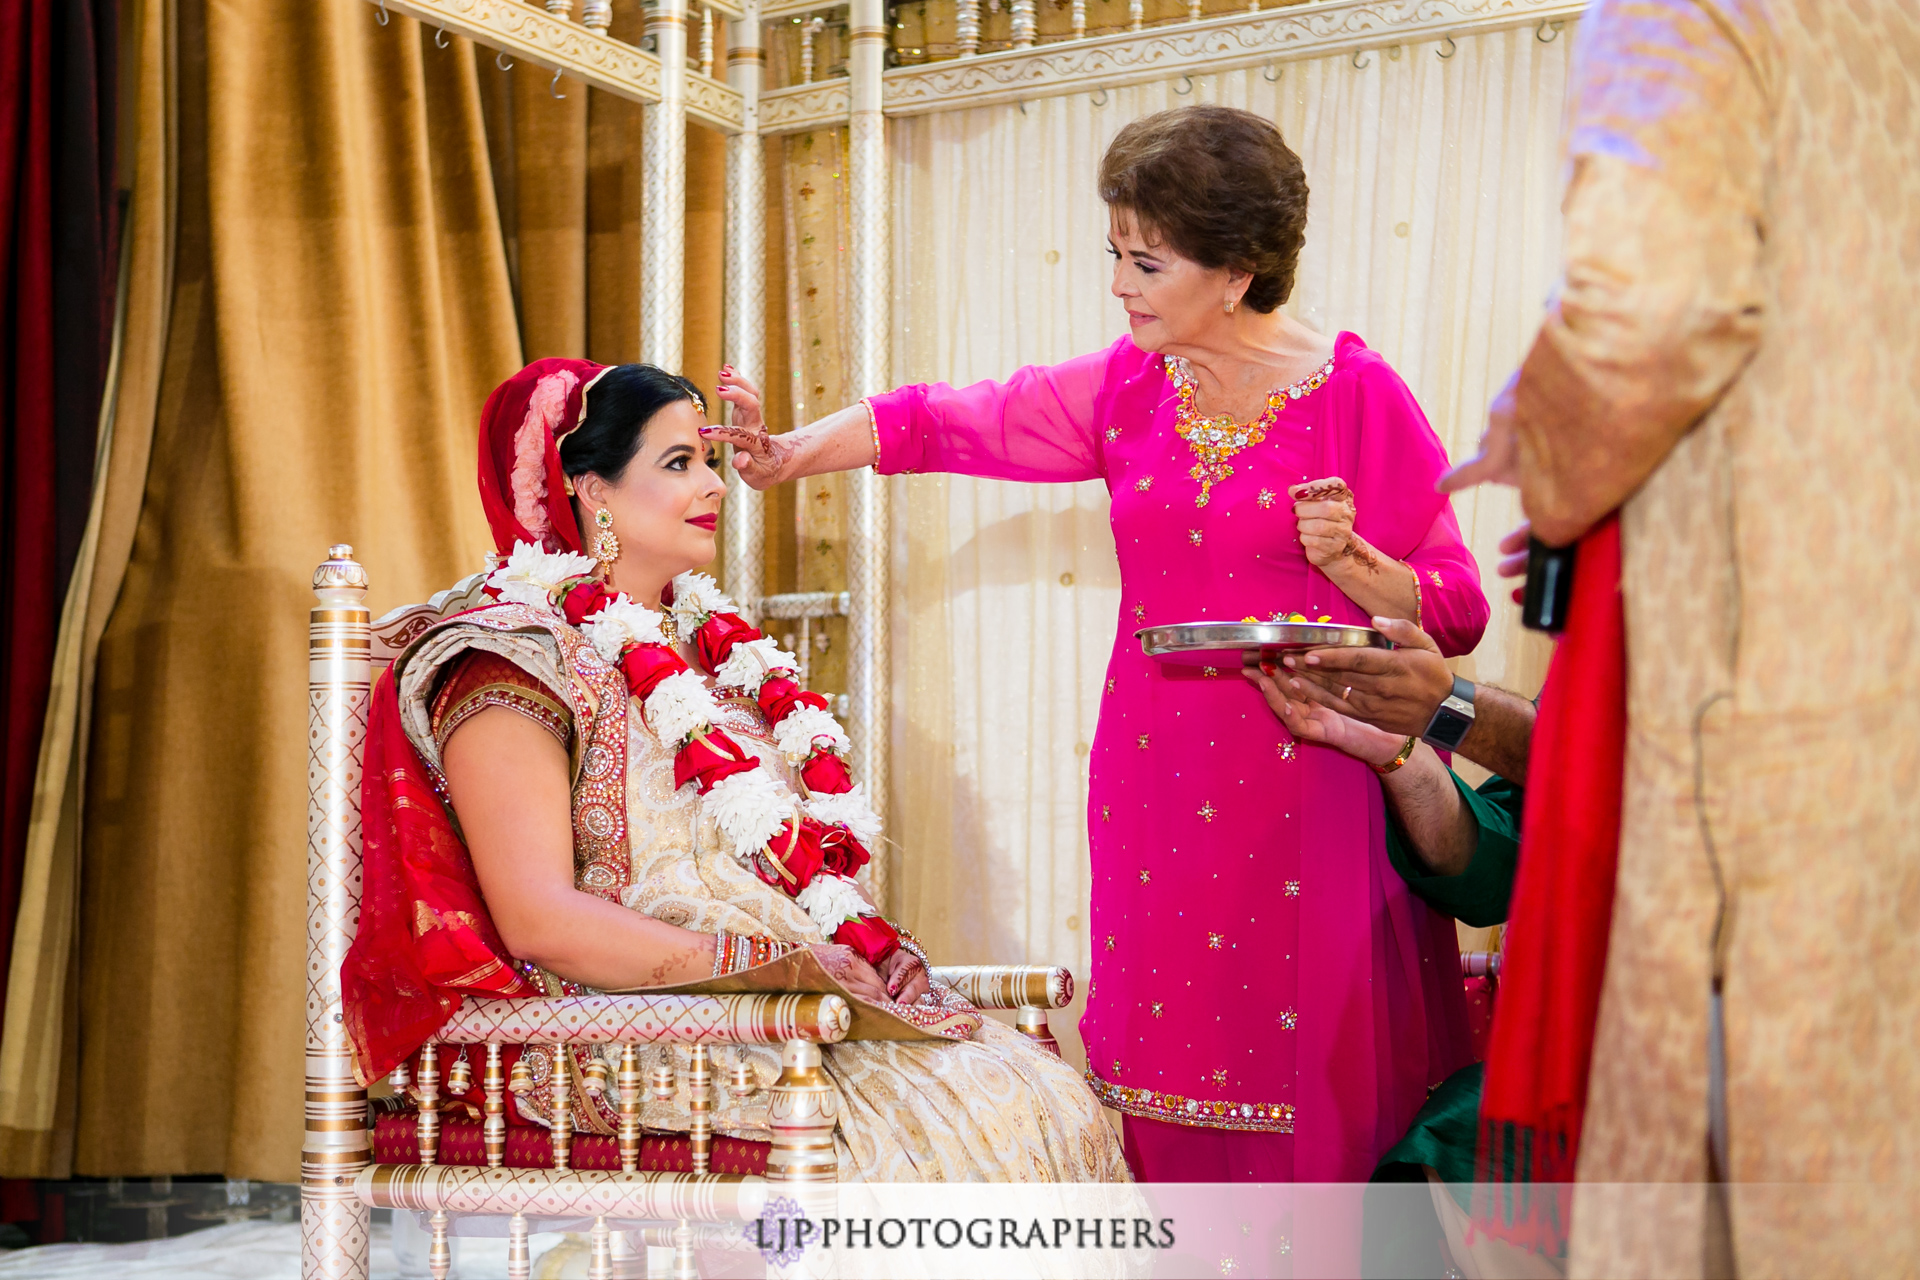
(663, 207)
(333, 1220)
(869, 527)
(745, 339)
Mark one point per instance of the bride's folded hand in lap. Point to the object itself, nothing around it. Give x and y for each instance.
(905, 976)
(846, 967)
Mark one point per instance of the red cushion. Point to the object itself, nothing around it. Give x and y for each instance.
(396, 1140)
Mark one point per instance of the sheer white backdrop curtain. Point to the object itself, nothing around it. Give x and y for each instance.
(1433, 233)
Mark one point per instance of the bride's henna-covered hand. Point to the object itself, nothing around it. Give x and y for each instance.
(853, 973)
(906, 976)
(759, 457)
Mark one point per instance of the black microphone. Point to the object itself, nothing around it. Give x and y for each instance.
(1549, 591)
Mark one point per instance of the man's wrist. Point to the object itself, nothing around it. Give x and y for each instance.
(1453, 718)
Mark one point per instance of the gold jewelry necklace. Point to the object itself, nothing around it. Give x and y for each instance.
(1215, 439)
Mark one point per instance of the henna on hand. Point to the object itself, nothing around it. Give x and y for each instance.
(1362, 555)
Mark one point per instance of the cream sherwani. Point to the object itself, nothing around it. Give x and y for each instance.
(1734, 352)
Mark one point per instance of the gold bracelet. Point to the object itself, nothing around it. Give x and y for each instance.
(1406, 753)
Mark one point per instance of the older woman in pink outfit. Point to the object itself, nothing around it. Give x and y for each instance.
(1267, 1001)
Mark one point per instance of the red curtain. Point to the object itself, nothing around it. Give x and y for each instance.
(29, 545)
(57, 276)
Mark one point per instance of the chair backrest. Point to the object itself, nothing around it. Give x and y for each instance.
(394, 631)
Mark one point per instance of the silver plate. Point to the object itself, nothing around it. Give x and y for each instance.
(1234, 644)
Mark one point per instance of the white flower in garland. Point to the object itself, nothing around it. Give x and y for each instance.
(849, 809)
(751, 809)
(831, 901)
(530, 576)
(803, 726)
(619, 623)
(696, 597)
(678, 706)
(751, 663)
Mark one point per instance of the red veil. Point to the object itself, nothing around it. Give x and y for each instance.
(425, 938)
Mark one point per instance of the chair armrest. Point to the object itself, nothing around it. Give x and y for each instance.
(1010, 986)
(674, 1019)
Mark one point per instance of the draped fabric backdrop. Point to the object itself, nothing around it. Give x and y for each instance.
(342, 236)
(1432, 233)
(57, 95)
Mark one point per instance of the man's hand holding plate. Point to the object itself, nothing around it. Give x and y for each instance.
(1396, 689)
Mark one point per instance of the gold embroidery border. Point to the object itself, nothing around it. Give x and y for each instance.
(1194, 1113)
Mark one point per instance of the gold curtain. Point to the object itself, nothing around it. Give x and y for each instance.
(342, 237)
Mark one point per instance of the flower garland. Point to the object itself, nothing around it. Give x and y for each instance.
(808, 847)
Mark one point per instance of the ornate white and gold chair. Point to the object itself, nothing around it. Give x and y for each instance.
(339, 1180)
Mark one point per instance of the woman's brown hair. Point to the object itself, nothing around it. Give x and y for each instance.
(1220, 186)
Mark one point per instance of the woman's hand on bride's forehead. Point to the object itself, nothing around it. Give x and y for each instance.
(757, 456)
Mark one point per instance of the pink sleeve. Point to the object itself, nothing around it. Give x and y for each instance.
(1396, 461)
(1038, 425)
(1453, 607)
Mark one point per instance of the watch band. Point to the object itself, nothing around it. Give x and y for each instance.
(1452, 718)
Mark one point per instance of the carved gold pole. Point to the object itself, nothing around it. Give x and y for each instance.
(439, 1252)
(1026, 23)
(333, 1221)
(428, 1125)
(869, 540)
(629, 1084)
(966, 26)
(1136, 15)
(600, 1257)
(519, 1262)
(493, 1129)
(561, 1093)
(802, 1110)
(700, 1108)
(706, 41)
(808, 30)
(663, 206)
(1079, 19)
(746, 299)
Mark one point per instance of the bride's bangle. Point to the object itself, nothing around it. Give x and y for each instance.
(911, 945)
(737, 952)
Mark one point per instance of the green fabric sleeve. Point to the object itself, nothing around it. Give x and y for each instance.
(1479, 895)
(1443, 1137)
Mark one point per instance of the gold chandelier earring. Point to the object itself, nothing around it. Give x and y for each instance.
(606, 544)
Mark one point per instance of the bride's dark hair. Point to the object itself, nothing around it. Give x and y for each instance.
(619, 405)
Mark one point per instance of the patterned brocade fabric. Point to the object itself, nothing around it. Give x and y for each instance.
(481, 679)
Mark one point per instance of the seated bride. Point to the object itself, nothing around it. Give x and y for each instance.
(608, 780)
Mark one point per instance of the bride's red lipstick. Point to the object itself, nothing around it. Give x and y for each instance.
(709, 523)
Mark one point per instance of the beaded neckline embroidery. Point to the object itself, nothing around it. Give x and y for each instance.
(1217, 439)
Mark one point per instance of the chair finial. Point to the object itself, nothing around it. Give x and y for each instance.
(339, 569)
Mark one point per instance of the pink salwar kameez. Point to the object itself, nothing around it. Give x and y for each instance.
(1268, 1002)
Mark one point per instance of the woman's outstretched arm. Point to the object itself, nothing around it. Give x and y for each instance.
(1036, 426)
(508, 780)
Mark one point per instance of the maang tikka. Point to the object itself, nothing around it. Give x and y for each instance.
(606, 546)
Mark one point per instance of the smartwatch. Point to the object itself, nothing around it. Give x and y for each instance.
(1453, 718)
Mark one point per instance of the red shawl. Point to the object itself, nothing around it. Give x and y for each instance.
(425, 938)
(1556, 951)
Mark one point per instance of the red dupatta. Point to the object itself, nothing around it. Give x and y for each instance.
(425, 938)
(1556, 951)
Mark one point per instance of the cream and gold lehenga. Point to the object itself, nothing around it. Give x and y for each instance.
(991, 1107)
